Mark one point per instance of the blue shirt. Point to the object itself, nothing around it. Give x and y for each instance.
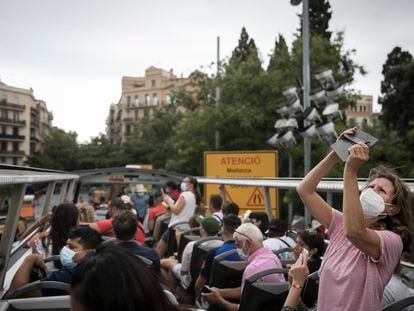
(63, 275)
(143, 251)
(207, 264)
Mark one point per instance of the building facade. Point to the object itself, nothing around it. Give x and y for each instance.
(24, 123)
(362, 114)
(140, 97)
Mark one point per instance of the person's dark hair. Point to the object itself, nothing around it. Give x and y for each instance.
(230, 224)
(138, 288)
(231, 209)
(172, 184)
(397, 223)
(313, 239)
(65, 216)
(125, 225)
(216, 202)
(277, 227)
(196, 192)
(262, 216)
(118, 203)
(89, 238)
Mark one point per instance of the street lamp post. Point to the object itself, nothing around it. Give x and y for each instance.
(306, 87)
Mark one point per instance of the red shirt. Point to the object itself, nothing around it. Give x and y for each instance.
(157, 210)
(105, 226)
(175, 195)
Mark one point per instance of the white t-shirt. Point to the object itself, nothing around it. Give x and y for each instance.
(186, 260)
(187, 211)
(275, 244)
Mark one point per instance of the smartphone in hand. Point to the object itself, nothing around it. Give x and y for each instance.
(206, 289)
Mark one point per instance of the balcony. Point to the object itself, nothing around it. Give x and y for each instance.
(129, 119)
(12, 137)
(34, 138)
(11, 153)
(7, 121)
(9, 106)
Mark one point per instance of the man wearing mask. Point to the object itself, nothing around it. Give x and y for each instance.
(249, 241)
(140, 199)
(81, 240)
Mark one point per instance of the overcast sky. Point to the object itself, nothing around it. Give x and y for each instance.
(74, 53)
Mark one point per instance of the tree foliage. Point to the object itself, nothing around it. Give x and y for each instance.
(398, 92)
(319, 16)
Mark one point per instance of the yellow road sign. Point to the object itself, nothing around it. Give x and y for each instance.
(242, 164)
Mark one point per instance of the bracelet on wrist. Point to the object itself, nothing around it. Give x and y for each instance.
(297, 286)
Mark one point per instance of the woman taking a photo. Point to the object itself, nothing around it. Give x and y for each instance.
(366, 239)
(182, 210)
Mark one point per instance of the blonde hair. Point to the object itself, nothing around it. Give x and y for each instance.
(86, 212)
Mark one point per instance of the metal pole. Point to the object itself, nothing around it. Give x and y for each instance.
(306, 90)
(217, 133)
(290, 205)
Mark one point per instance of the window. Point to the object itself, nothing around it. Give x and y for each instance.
(155, 99)
(360, 108)
(365, 108)
(167, 99)
(128, 101)
(128, 130)
(146, 112)
(15, 146)
(4, 98)
(4, 114)
(15, 131)
(16, 116)
(147, 99)
(136, 115)
(136, 100)
(4, 146)
(152, 83)
(15, 161)
(16, 99)
(4, 129)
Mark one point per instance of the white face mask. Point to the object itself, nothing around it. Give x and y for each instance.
(241, 253)
(372, 203)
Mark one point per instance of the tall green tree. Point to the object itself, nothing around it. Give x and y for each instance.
(320, 14)
(60, 151)
(246, 49)
(398, 91)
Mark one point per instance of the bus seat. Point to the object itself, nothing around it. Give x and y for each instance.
(310, 291)
(61, 303)
(263, 296)
(400, 305)
(18, 293)
(199, 251)
(226, 273)
(187, 236)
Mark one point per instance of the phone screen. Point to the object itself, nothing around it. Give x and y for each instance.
(206, 289)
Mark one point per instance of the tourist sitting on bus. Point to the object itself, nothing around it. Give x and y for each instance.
(65, 216)
(367, 239)
(260, 220)
(157, 210)
(139, 199)
(125, 227)
(105, 226)
(231, 209)
(128, 285)
(215, 205)
(172, 270)
(249, 241)
(86, 212)
(230, 224)
(278, 238)
(80, 241)
(310, 242)
(181, 210)
(172, 190)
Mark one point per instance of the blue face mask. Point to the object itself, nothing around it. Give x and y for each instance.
(66, 257)
(241, 253)
(183, 186)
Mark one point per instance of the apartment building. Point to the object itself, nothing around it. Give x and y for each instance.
(24, 123)
(362, 114)
(140, 97)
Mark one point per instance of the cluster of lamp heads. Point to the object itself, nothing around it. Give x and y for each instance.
(310, 123)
